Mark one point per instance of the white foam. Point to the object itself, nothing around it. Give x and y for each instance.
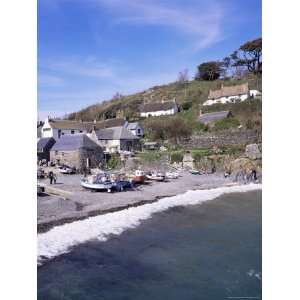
(61, 239)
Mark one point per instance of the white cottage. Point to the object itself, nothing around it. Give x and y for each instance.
(230, 94)
(159, 109)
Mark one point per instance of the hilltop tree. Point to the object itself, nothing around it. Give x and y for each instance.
(252, 52)
(246, 58)
(209, 70)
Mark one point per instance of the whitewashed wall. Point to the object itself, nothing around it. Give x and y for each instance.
(172, 111)
(223, 100)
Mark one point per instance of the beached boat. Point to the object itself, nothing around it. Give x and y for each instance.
(172, 175)
(66, 169)
(195, 172)
(99, 182)
(40, 188)
(139, 177)
(156, 176)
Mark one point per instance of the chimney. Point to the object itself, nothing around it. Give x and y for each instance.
(95, 121)
(222, 86)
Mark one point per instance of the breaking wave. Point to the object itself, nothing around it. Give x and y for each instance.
(62, 238)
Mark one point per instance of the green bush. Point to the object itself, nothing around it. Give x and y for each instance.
(186, 105)
(150, 156)
(200, 153)
(227, 124)
(176, 156)
(114, 162)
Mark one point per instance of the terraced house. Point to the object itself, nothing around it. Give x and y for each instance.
(59, 128)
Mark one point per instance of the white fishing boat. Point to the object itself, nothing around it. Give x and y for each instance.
(156, 176)
(172, 175)
(99, 182)
(66, 169)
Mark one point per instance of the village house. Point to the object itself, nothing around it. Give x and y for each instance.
(136, 129)
(212, 117)
(231, 94)
(44, 146)
(159, 109)
(116, 139)
(77, 151)
(59, 128)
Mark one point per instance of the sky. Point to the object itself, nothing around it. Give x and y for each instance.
(88, 50)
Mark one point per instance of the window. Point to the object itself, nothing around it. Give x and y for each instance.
(72, 131)
(46, 129)
(56, 152)
(80, 131)
(139, 130)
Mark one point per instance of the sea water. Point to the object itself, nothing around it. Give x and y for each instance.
(177, 248)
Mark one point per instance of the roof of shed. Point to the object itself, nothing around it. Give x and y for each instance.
(115, 133)
(74, 142)
(214, 116)
(227, 91)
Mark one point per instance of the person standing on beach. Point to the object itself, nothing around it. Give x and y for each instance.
(54, 178)
(51, 176)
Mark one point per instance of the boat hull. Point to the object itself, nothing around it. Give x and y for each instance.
(97, 186)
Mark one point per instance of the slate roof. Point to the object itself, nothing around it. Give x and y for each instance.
(86, 126)
(74, 142)
(214, 116)
(227, 91)
(45, 143)
(65, 124)
(110, 123)
(157, 106)
(115, 133)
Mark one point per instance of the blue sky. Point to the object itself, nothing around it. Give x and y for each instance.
(90, 49)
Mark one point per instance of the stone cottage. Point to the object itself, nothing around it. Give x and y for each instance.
(116, 139)
(77, 151)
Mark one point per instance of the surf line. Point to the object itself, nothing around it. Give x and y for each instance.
(61, 239)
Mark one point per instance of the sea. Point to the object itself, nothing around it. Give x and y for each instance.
(203, 244)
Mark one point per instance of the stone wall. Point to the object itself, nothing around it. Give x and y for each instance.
(70, 158)
(223, 138)
(78, 158)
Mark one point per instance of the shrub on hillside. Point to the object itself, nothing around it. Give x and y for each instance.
(186, 105)
(176, 157)
(227, 124)
(172, 128)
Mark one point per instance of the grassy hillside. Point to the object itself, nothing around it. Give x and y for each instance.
(194, 92)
